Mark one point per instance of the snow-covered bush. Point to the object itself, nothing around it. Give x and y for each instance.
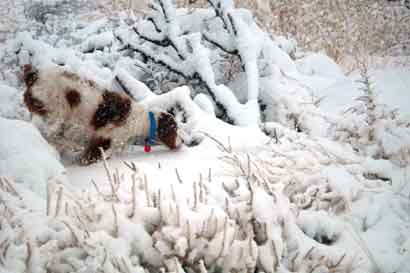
(248, 77)
(372, 128)
(292, 201)
(40, 10)
(285, 213)
(222, 53)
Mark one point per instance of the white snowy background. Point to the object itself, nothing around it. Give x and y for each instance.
(298, 166)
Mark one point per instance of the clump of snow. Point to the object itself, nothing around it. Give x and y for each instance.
(287, 44)
(26, 157)
(204, 103)
(320, 65)
(139, 91)
(10, 102)
(97, 42)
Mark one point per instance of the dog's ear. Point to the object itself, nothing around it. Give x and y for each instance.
(29, 75)
(167, 130)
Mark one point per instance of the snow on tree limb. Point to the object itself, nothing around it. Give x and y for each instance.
(136, 89)
(193, 59)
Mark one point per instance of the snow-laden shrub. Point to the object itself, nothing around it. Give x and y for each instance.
(291, 212)
(222, 53)
(372, 128)
(248, 77)
(207, 226)
(42, 10)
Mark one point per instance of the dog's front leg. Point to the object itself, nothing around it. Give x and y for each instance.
(93, 153)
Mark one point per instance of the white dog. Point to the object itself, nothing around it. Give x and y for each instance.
(78, 115)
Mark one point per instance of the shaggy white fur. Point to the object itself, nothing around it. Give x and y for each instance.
(78, 115)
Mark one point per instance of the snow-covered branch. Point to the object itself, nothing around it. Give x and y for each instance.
(193, 60)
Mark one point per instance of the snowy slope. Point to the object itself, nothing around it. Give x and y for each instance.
(299, 199)
(392, 86)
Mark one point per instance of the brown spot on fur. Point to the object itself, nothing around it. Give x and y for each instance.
(29, 75)
(73, 97)
(33, 104)
(167, 130)
(115, 108)
(92, 153)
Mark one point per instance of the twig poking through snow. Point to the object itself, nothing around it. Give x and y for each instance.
(178, 176)
(58, 202)
(109, 175)
(116, 228)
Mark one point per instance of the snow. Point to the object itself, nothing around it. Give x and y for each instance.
(321, 65)
(139, 91)
(391, 85)
(97, 42)
(204, 103)
(9, 101)
(25, 156)
(304, 197)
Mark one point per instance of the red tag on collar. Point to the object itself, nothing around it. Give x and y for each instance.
(147, 148)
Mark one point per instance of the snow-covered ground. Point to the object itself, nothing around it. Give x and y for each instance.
(304, 198)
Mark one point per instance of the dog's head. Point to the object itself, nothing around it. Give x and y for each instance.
(167, 130)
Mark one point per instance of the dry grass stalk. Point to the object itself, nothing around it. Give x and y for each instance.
(9, 187)
(28, 257)
(97, 189)
(66, 212)
(195, 196)
(109, 176)
(146, 191)
(133, 197)
(189, 235)
(84, 226)
(178, 176)
(159, 201)
(293, 261)
(48, 197)
(125, 265)
(275, 254)
(315, 267)
(307, 255)
(224, 234)
(178, 216)
(250, 248)
(174, 197)
(73, 235)
(222, 147)
(116, 227)
(334, 266)
(131, 165)
(58, 202)
(227, 208)
(201, 191)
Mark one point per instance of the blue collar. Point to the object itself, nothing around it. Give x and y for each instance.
(152, 128)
